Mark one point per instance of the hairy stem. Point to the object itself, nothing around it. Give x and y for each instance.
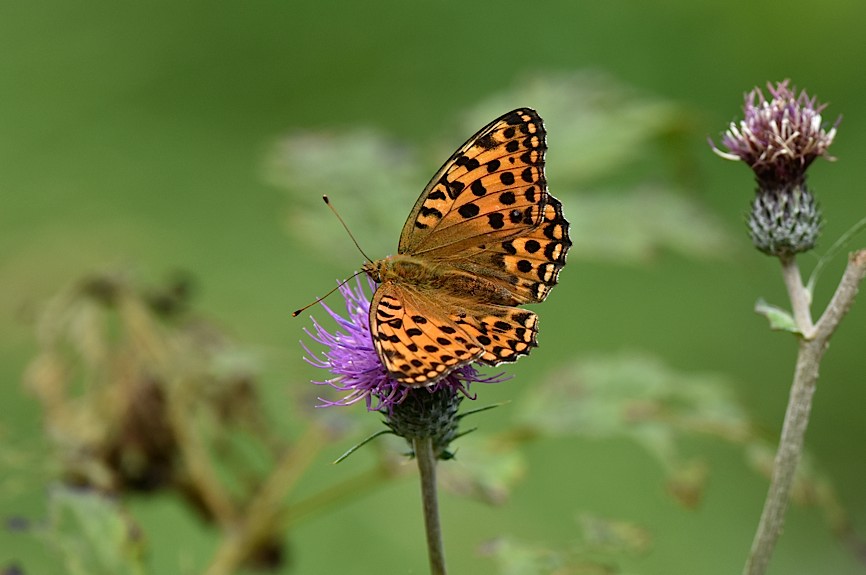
(426, 458)
(813, 343)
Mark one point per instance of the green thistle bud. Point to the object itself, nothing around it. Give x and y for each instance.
(425, 413)
(785, 222)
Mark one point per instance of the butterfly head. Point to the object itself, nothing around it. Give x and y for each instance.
(373, 269)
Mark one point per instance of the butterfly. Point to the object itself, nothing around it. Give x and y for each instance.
(484, 237)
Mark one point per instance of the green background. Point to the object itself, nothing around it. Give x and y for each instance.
(136, 134)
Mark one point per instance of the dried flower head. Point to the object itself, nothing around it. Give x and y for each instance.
(779, 138)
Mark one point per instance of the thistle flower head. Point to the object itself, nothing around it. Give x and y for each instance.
(355, 366)
(778, 138)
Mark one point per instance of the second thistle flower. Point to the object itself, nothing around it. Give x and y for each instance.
(779, 139)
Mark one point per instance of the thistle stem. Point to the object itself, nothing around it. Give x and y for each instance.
(800, 297)
(787, 457)
(813, 343)
(426, 458)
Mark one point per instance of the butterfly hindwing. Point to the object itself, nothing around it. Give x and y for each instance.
(506, 333)
(527, 265)
(416, 342)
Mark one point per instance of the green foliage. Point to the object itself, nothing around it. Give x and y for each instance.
(483, 469)
(597, 125)
(137, 145)
(633, 395)
(601, 544)
(637, 397)
(141, 395)
(92, 534)
(365, 174)
(780, 319)
(633, 226)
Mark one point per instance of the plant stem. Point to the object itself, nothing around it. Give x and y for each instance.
(845, 293)
(787, 457)
(426, 458)
(800, 297)
(353, 487)
(260, 517)
(813, 343)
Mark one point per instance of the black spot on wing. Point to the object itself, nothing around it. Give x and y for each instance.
(487, 141)
(468, 210)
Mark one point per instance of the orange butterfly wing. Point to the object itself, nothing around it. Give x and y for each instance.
(416, 340)
(487, 213)
(420, 341)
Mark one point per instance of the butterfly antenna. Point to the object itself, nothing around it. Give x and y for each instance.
(345, 227)
(296, 313)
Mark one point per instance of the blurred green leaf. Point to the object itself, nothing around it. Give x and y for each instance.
(628, 393)
(637, 397)
(603, 542)
(617, 537)
(632, 226)
(93, 535)
(596, 125)
(513, 557)
(483, 469)
(780, 319)
(365, 174)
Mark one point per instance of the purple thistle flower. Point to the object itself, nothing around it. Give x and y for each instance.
(355, 365)
(778, 138)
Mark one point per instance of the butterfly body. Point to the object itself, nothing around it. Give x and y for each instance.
(484, 237)
(437, 279)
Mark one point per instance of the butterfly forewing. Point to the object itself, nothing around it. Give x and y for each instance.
(493, 186)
